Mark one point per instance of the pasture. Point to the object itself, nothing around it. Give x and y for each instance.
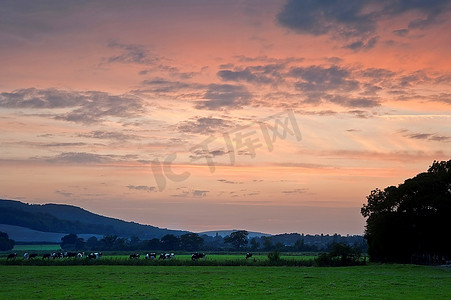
(38, 247)
(216, 282)
(178, 260)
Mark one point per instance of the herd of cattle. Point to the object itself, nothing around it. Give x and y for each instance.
(55, 255)
(96, 255)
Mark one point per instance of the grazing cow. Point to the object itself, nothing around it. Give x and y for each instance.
(166, 255)
(33, 255)
(248, 255)
(151, 256)
(57, 255)
(197, 255)
(25, 255)
(47, 255)
(11, 256)
(70, 254)
(134, 256)
(95, 255)
(80, 254)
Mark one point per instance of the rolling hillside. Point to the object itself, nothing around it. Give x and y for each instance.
(57, 218)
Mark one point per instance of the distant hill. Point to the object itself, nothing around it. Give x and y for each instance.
(57, 218)
(224, 233)
(27, 235)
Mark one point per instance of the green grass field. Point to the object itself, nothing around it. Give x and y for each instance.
(223, 257)
(166, 282)
(50, 247)
(118, 258)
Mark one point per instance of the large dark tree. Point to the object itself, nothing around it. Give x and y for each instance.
(72, 242)
(5, 242)
(237, 238)
(191, 241)
(170, 242)
(411, 222)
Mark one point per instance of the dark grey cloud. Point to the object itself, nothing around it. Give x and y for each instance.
(320, 79)
(265, 74)
(223, 96)
(204, 154)
(64, 144)
(86, 158)
(362, 114)
(80, 158)
(413, 79)
(334, 84)
(65, 194)
(352, 102)
(317, 113)
(139, 54)
(199, 193)
(99, 105)
(362, 44)
(264, 59)
(109, 135)
(424, 136)
(159, 85)
(218, 152)
(35, 98)
(440, 138)
(401, 32)
(346, 17)
(205, 125)
(295, 191)
(377, 73)
(357, 20)
(334, 60)
(29, 18)
(420, 136)
(170, 70)
(191, 193)
(230, 182)
(131, 53)
(86, 107)
(142, 188)
(361, 102)
(443, 97)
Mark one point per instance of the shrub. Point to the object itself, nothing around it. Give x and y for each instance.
(340, 255)
(274, 256)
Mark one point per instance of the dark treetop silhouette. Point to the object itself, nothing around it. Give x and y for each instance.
(411, 222)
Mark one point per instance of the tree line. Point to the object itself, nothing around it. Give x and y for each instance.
(236, 241)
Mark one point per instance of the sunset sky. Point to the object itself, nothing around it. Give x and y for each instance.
(159, 112)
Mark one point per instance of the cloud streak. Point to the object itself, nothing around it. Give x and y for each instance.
(84, 107)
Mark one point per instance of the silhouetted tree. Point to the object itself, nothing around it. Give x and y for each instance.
(267, 243)
(340, 255)
(92, 243)
(170, 242)
(191, 241)
(5, 242)
(299, 245)
(134, 243)
(108, 241)
(72, 242)
(412, 219)
(254, 244)
(153, 244)
(238, 239)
